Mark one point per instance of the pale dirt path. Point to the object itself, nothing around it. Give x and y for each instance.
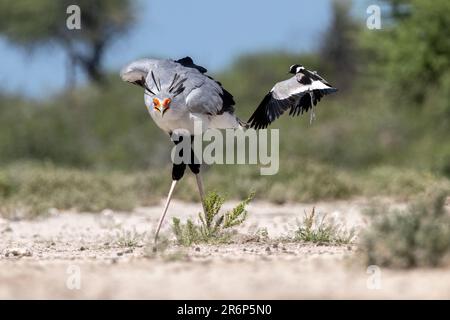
(35, 257)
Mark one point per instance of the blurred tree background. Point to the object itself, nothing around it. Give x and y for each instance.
(393, 109)
(32, 25)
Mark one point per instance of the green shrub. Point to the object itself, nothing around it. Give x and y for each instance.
(322, 230)
(36, 187)
(418, 236)
(213, 227)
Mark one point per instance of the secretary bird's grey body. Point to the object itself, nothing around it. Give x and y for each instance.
(182, 87)
(179, 94)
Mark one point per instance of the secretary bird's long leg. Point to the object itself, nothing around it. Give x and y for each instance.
(195, 167)
(198, 177)
(177, 174)
(169, 197)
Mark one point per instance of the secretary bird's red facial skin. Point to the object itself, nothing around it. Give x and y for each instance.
(156, 104)
(165, 105)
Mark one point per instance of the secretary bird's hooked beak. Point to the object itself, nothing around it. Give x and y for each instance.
(161, 107)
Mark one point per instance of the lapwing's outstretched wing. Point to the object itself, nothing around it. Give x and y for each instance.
(297, 94)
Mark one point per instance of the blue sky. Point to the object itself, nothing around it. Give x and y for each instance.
(212, 32)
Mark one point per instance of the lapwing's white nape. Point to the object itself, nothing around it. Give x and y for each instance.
(179, 93)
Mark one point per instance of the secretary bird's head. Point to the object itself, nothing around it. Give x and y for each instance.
(163, 94)
(160, 93)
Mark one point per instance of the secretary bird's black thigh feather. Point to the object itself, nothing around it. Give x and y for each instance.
(179, 169)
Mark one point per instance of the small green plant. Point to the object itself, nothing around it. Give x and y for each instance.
(418, 236)
(262, 235)
(212, 226)
(186, 234)
(128, 238)
(323, 230)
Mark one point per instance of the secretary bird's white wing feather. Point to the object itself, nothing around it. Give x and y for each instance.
(138, 70)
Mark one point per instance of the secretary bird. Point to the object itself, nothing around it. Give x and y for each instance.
(179, 93)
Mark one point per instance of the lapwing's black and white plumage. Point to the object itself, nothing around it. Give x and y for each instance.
(298, 94)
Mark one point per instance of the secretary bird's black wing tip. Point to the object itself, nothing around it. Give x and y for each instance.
(188, 62)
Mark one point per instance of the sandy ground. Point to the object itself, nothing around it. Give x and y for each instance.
(108, 255)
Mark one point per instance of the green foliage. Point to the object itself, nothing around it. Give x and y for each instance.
(238, 214)
(418, 236)
(322, 231)
(30, 22)
(213, 227)
(91, 127)
(412, 54)
(31, 189)
(339, 49)
(128, 238)
(186, 234)
(261, 235)
(210, 219)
